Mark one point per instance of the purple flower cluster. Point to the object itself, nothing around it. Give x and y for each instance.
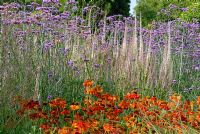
(67, 37)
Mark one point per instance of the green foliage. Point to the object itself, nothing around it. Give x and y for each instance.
(148, 10)
(63, 5)
(192, 12)
(111, 7)
(120, 7)
(163, 10)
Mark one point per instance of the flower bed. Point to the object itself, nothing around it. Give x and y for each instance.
(101, 112)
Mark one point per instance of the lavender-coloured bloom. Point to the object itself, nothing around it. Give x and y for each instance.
(47, 45)
(172, 6)
(74, 8)
(1, 7)
(174, 81)
(48, 1)
(71, 1)
(184, 9)
(109, 60)
(70, 63)
(96, 65)
(196, 67)
(49, 97)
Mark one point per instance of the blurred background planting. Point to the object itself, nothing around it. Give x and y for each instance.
(165, 10)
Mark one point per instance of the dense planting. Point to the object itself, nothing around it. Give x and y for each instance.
(46, 53)
(101, 112)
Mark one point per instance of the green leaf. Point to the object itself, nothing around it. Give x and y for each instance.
(62, 8)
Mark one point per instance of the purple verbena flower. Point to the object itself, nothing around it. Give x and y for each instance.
(49, 97)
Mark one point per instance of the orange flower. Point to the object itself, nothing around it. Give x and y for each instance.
(107, 127)
(90, 91)
(198, 100)
(132, 96)
(75, 107)
(64, 130)
(88, 83)
(87, 101)
(65, 112)
(80, 125)
(58, 102)
(35, 116)
(112, 98)
(31, 104)
(133, 105)
(198, 117)
(45, 127)
(175, 98)
(93, 123)
(124, 104)
(98, 89)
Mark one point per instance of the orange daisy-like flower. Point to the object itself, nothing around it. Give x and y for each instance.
(31, 104)
(80, 125)
(65, 112)
(88, 83)
(87, 101)
(112, 98)
(98, 89)
(64, 130)
(175, 98)
(132, 96)
(107, 127)
(58, 102)
(45, 127)
(75, 107)
(35, 116)
(124, 104)
(90, 91)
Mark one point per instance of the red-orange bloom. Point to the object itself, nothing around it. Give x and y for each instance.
(64, 130)
(58, 102)
(88, 83)
(198, 100)
(30, 104)
(198, 117)
(80, 125)
(45, 127)
(35, 116)
(65, 112)
(107, 127)
(75, 107)
(90, 91)
(124, 104)
(132, 96)
(175, 98)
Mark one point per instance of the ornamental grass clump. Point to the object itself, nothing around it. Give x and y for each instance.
(89, 44)
(101, 112)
